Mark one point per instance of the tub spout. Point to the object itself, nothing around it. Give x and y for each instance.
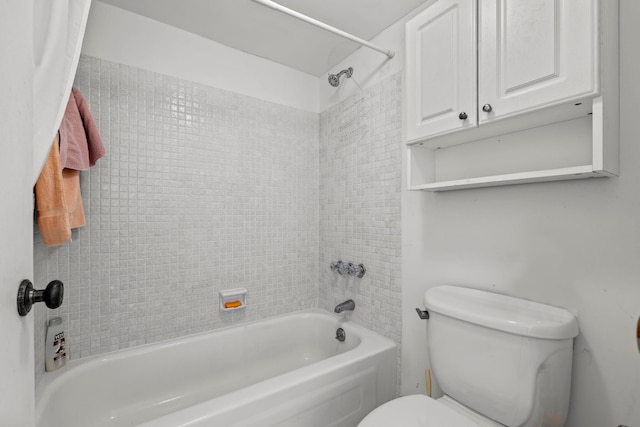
(347, 305)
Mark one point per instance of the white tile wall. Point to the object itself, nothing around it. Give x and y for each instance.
(201, 190)
(360, 166)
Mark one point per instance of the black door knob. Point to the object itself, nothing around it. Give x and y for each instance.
(52, 296)
(462, 116)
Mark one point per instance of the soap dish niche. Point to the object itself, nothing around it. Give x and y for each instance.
(233, 299)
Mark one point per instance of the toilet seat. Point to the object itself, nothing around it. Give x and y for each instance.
(416, 411)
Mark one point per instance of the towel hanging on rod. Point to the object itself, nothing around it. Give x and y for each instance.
(273, 5)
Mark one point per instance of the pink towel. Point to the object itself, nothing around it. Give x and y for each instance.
(80, 142)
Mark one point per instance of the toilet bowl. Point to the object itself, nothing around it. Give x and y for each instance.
(423, 411)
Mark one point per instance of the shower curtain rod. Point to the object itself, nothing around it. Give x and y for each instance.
(327, 27)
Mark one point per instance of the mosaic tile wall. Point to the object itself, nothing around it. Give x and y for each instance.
(360, 189)
(201, 190)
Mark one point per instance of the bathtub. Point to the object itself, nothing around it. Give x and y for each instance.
(285, 371)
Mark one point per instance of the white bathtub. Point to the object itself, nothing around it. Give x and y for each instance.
(285, 371)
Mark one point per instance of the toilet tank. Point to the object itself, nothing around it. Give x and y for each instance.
(506, 358)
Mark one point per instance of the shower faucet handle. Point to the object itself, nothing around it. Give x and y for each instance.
(340, 267)
(343, 268)
(357, 270)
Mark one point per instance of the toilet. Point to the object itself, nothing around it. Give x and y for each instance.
(499, 360)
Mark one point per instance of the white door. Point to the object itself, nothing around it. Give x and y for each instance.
(441, 70)
(40, 43)
(16, 232)
(534, 54)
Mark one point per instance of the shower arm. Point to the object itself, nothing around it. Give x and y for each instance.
(273, 5)
(348, 72)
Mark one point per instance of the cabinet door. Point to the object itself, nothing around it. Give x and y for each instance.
(441, 70)
(535, 54)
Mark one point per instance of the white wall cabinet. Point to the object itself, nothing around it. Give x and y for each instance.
(441, 70)
(491, 85)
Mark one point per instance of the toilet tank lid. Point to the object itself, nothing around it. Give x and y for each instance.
(502, 312)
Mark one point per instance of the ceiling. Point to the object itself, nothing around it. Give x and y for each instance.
(261, 31)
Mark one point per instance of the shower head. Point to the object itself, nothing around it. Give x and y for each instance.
(334, 79)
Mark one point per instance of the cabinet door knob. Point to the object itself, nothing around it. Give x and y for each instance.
(487, 108)
(462, 116)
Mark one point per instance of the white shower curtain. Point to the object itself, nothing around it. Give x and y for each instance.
(58, 30)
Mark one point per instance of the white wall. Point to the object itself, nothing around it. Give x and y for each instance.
(572, 244)
(126, 38)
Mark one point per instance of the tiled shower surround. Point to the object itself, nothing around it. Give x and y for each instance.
(360, 166)
(204, 189)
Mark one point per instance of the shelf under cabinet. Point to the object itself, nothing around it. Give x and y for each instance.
(574, 172)
(572, 149)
